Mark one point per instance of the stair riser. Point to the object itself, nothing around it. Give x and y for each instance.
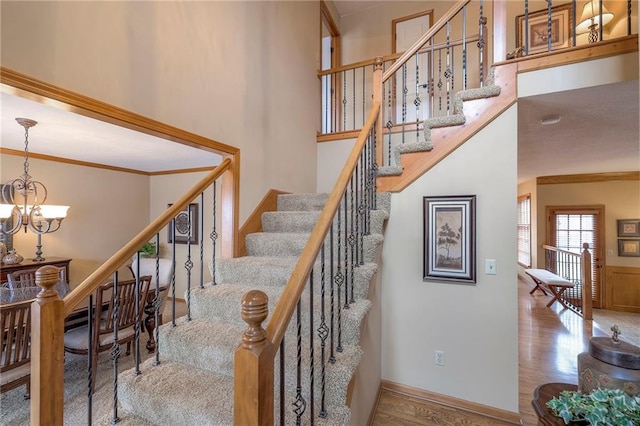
(257, 275)
(302, 222)
(291, 245)
(226, 307)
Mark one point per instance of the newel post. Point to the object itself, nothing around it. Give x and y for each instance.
(587, 303)
(47, 351)
(377, 97)
(253, 366)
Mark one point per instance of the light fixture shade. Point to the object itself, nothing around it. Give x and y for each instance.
(6, 210)
(49, 211)
(592, 10)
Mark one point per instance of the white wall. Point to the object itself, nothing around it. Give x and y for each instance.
(475, 325)
(243, 73)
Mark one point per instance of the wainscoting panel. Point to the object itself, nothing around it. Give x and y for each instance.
(622, 289)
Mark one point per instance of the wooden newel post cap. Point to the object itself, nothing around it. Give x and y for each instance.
(585, 246)
(47, 277)
(254, 311)
(378, 63)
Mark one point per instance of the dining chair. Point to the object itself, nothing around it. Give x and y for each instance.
(15, 361)
(105, 325)
(164, 275)
(23, 281)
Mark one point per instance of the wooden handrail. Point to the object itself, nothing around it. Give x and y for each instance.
(91, 283)
(287, 302)
(422, 40)
(394, 56)
(552, 248)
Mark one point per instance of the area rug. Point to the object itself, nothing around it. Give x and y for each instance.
(627, 322)
(14, 409)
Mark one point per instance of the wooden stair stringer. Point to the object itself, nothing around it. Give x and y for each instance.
(478, 113)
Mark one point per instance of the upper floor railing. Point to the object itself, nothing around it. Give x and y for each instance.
(454, 55)
(577, 269)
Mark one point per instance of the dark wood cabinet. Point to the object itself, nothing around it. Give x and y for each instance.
(60, 262)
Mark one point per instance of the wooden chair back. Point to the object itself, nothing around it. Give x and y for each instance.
(15, 324)
(127, 301)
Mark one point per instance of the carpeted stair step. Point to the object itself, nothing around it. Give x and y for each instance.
(222, 302)
(276, 271)
(305, 221)
(183, 344)
(306, 202)
(176, 394)
(173, 393)
(291, 244)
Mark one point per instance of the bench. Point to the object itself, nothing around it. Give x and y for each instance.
(548, 281)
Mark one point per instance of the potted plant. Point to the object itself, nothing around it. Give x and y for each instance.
(601, 407)
(148, 250)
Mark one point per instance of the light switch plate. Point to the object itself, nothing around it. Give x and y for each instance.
(490, 267)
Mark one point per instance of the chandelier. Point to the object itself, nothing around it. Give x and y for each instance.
(23, 202)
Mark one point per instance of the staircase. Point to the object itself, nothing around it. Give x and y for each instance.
(193, 384)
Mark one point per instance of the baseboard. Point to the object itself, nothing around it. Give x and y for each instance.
(448, 401)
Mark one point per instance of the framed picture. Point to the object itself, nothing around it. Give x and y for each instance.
(629, 248)
(449, 238)
(186, 226)
(6, 197)
(628, 227)
(538, 32)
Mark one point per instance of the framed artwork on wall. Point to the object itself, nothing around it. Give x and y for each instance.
(449, 238)
(629, 248)
(537, 35)
(186, 226)
(628, 228)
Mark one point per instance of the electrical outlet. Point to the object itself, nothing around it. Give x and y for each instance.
(439, 357)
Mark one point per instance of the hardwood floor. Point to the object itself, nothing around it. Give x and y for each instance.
(550, 340)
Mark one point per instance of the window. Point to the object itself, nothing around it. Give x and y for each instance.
(524, 230)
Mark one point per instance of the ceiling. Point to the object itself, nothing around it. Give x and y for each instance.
(598, 132)
(64, 134)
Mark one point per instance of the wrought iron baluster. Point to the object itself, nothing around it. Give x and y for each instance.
(90, 365)
(344, 100)
(299, 405)
(339, 280)
(323, 332)
(282, 394)
(432, 91)
(188, 264)
(156, 304)
(173, 274)
(526, 29)
(548, 25)
(364, 101)
(440, 81)
(404, 98)
(353, 94)
(201, 242)
(447, 70)
(628, 17)
(311, 351)
(115, 347)
(214, 235)
(332, 358)
(482, 42)
(352, 239)
(138, 322)
(417, 101)
(360, 204)
(346, 251)
(389, 123)
(464, 48)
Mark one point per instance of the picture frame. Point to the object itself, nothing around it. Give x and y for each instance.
(449, 239)
(629, 248)
(6, 196)
(628, 227)
(186, 221)
(537, 42)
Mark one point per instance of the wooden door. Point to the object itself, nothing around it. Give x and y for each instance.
(571, 226)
